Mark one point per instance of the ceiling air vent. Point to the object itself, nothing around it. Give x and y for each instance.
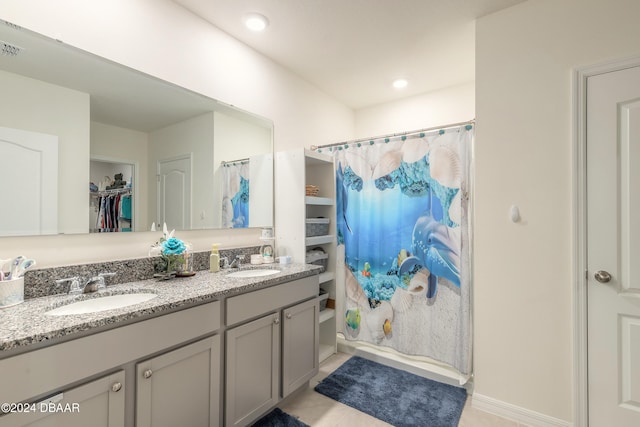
(9, 49)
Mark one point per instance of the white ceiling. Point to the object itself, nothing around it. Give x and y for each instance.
(354, 49)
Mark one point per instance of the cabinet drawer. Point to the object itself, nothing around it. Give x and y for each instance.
(253, 304)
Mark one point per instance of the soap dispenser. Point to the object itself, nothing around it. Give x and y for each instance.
(214, 259)
(267, 254)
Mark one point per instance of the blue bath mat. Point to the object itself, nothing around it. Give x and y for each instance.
(278, 418)
(394, 396)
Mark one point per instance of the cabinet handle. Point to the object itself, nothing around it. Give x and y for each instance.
(116, 387)
(147, 373)
(288, 315)
(276, 320)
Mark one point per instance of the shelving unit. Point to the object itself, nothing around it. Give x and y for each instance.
(294, 170)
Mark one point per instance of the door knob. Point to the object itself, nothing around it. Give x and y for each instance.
(602, 276)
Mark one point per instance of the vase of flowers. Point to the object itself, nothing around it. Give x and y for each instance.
(173, 252)
(174, 256)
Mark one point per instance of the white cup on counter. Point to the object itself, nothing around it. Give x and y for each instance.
(11, 292)
(256, 259)
(284, 259)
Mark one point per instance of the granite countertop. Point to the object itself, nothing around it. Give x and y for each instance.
(27, 324)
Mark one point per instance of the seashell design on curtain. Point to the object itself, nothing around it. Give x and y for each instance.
(403, 217)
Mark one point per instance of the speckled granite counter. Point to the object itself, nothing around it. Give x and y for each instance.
(27, 324)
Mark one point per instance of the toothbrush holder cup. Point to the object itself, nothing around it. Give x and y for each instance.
(11, 292)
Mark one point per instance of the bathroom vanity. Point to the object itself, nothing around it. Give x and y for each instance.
(208, 350)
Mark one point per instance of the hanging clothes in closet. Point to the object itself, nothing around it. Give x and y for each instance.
(114, 211)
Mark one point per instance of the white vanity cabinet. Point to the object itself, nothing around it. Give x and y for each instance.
(268, 357)
(180, 387)
(98, 403)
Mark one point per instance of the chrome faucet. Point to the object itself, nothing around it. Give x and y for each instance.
(237, 263)
(80, 285)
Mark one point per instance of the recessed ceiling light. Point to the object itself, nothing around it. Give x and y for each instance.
(400, 83)
(255, 21)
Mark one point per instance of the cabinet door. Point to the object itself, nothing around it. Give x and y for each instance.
(180, 388)
(97, 403)
(253, 369)
(300, 342)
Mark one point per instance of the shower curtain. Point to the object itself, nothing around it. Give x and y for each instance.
(235, 194)
(402, 215)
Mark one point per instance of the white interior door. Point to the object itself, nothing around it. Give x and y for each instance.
(174, 193)
(613, 248)
(29, 176)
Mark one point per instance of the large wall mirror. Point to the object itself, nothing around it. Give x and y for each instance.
(88, 145)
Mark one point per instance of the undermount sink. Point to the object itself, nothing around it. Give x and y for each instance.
(258, 272)
(101, 304)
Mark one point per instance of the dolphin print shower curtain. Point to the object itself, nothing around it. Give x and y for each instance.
(235, 194)
(402, 215)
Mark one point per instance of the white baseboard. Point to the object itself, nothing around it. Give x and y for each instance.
(417, 365)
(515, 413)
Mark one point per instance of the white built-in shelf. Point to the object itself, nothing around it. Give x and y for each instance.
(312, 157)
(326, 276)
(319, 240)
(326, 314)
(320, 201)
(326, 351)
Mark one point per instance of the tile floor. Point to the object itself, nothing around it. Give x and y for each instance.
(318, 410)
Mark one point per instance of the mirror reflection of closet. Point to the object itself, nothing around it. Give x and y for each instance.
(111, 195)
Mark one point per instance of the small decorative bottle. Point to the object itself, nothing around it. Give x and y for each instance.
(214, 259)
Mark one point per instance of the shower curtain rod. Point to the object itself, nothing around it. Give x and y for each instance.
(392, 135)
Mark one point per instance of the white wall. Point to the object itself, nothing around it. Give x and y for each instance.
(36, 106)
(523, 272)
(162, 39)
(448, 105)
